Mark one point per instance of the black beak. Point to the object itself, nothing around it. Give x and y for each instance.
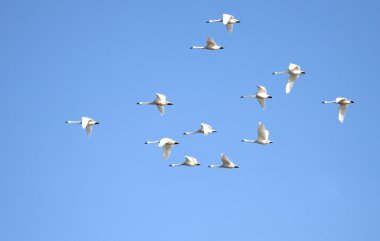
(176, 143)
(238, 21)
(352, 101)
(170, 103)
(303, 72)
(236, 167)
(221, 48)
(269, 97)
(96, 123)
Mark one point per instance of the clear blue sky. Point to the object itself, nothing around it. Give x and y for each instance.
(62, 60)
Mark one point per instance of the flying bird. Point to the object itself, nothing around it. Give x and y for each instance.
(205, 130)
(160, 102)
(211, 45)
(263, 135)
(189, 161)
(86, 123)
(261, 95)
(343, 104)
(167, 145)
(295, 72)
(227, 20)
(226, 162)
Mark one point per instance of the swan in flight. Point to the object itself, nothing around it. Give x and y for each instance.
(261, 95)
(343, 104)
(167, 145)
(160, 102)
(205, 129)
(86, 122)
(226, 162)
(295, 72)
(189, 161)
(263, 135)
(211, 45)
(227, 20)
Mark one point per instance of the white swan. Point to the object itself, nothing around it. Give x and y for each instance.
(189, 161)
(160, 102)
(205, 129)
(226, 162)
(227, 20)
(263, 135)
(167, 145)
(294, 71)
(343, 104)
(87, 124)
(261, 95)
(211, 45)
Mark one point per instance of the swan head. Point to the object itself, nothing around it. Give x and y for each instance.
(169, 103)
(351, 102)
(303, 72)
(97, 123)
(237, 21)
(269, 97)
(198, 164)
(176, 143)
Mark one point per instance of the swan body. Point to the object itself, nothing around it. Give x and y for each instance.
(294, 71)
(343, 104)
(86, 123)
(227, 20)
(226, 163)
(167, 145)
(261, 95)
(160, 102)
(205, 130)
(263, 135)
(189, 161)
(211, 45)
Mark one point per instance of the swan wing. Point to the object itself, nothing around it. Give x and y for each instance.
(167, 150)
(293, 67)
(85, 121)
(205, 127)
(230, 27)
(161, 108)
(226, 161)
(190, 160)
(210, 42)
(262, 102)
(89, 130)
(163, 141)
(261, 89)
(342, 112)
(261, 131)
(291, 81)
(226, 18)
(160, 97)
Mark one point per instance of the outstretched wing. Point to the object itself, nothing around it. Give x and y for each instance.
(89, 130)
(85, 121)
(160, 97)
(230, 27)
(262, 102)
(226, 18)
(291, 81)
(226, 161)
(342, 112)
(261, 132)
(210, 42)
(161, 108)
(167, 150)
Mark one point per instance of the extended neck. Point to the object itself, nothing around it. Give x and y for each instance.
(214, 21)
(73, 122)
(281, 72)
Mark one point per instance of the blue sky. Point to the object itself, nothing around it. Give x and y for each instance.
(62, 60)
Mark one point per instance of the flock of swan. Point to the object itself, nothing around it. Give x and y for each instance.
(294, 71)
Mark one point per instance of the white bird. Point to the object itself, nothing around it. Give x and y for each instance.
(205, 129)
(167, 145)
(261, 95)
(226, 162)
(189, 161)
(160, 102)
(295, 72)
(227, 20)
(87, 124)
(263, 135)
(343, 104)
(211, 45)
